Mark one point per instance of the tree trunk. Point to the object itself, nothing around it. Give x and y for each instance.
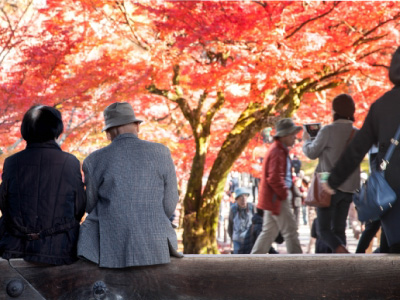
(200, 227)
(202, 206)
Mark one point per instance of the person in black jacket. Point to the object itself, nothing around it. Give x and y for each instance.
(42, 196)
(379, 128)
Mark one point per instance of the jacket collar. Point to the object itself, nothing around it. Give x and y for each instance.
(279, 144)
(48, 144)
(343, 121)
(124, 136)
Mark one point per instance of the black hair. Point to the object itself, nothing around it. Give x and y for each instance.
(41, 123)
(343, 107)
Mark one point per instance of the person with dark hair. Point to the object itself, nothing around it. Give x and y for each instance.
(41, 124)
(42, 194)
(327, 146)
(296, 164)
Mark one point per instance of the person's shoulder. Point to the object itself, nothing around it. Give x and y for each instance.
(234, 208)
(388, 97)
(250, 206)
(16, 156)
(70, 156)
(96, 154)
(152, 144)
(11, 160)
(155, 147)
(13, 156)
(328, 127)
(278, 148)
(275, 146)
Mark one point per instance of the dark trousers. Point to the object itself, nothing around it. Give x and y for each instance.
(332, 220)
(371, 228)
(255, 189)
(390, 223)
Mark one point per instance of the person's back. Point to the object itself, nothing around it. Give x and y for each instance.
(379, 128)
(132, 191)
(328, 146)
(43, 201)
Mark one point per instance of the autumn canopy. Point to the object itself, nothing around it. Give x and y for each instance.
(206, 77)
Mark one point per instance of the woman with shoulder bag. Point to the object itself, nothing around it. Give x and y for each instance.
(328, 146)
(379, 127)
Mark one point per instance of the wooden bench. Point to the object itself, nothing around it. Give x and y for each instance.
(219, 277)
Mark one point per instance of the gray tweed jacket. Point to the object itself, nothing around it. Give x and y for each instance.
(131, 192)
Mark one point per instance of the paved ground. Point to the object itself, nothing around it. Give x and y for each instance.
(304, 236)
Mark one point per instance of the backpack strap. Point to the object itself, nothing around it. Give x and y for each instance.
(393, 144)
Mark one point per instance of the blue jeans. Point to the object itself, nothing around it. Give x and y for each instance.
(332, 220)
(236, 247)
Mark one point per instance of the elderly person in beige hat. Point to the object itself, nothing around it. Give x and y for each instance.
(276, 192)
(131, 192)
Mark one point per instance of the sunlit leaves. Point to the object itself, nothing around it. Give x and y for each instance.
(83, 55)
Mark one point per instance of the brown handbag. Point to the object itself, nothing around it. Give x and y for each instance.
(316, 196)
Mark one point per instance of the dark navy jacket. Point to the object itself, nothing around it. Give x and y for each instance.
(42, 202)
(379, 127)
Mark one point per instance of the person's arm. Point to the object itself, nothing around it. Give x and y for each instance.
(313, 148)
(80, 196)
(3, 195)
(91, 187)
(7, 166)
(171, 196)
(230, 223)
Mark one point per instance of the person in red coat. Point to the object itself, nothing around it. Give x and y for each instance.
(275, 192)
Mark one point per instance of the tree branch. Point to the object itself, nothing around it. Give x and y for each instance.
(139, 41)
(335, 4)
(7, 48)
(363, 40)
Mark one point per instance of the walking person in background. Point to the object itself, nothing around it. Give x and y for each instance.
(305, 181)
(379, 127)
(253, 233)
(132, 193)
(320, 246)
(296, 164)
(371, 227)
(297, 199)
(42, 197)
(327, 146)
(275, 196)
